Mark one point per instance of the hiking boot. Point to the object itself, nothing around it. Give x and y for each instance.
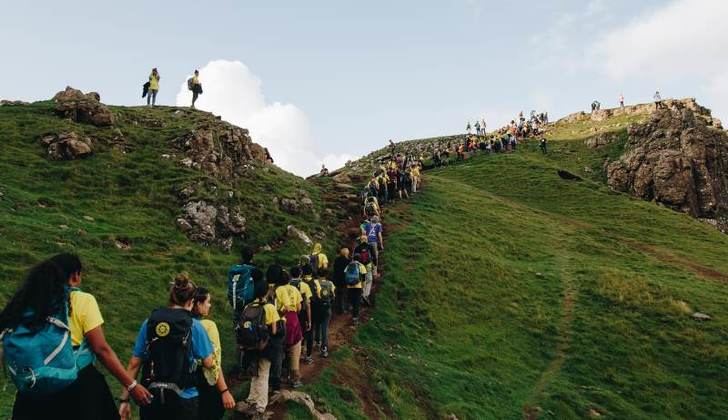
(325, 353)
(308, 360)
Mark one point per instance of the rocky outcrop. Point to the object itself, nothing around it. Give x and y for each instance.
(601, 139)
(679, 157)
(219, 149)
(67, 146)
(83, 108)
(211, 224)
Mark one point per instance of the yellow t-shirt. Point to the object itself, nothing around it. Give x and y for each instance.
(362, 271)
(195, 80)
(323, 260)
(305, 290)
(85, 316)
(212, 373)
(271, 314)
(153, 82)
(288, 298)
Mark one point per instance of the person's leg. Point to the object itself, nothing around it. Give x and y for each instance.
(187, 409)
(355, 295)
(194, 98)
(258, 395)
(154, 97)
(294, 363)
(149, 97)
(325, 319)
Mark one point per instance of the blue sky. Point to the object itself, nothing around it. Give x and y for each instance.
(337, 79)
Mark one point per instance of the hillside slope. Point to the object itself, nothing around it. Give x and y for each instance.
(511, 292)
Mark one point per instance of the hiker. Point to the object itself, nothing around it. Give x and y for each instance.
(51, 291)
(392, 147)
(263, 339)
(621, 101)
(468, 128)
(324, 296)
(371, 207)
(415, 177)
(215, 397)
(240, 282)
(318, 259)
(373, 231)
(305, 315)
(268, 157)
(169, 344)
(289, 302)
(275, 350)
(367, 258)
(542, 145)
(477, 127)
(324, 171)
(355, 273)
(340, 263)
(195, 86)
(153, 87)
(658, 100)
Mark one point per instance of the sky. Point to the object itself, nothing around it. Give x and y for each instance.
(328, 81)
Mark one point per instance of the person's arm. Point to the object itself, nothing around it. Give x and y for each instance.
(132, 370)
(381, 240)
(107, 356)
(227, 397)
(308, 313)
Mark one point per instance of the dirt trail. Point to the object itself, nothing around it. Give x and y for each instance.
(531, 410)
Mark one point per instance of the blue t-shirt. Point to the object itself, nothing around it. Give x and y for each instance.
(201, 349)
(373, 230)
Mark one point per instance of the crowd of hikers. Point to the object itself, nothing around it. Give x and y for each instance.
(53, 331)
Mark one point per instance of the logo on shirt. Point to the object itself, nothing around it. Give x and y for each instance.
(162, 329)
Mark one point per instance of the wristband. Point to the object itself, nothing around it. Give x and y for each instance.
(132, 386)
(224, 391)
(123, 401)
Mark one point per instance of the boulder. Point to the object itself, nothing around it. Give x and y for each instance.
(296, 233)
(342, 178)
(600, 140)
(209, 224)
(67, 146)
(678, 158)
(83, 108)
(290, 206)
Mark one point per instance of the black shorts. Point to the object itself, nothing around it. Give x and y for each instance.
(89, 398)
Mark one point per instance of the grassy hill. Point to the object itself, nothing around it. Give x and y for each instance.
(120, 197)
(513, 293)
(509, 292)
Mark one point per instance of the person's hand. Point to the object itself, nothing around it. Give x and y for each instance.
(141, 395)
(125, 411)
(308, 326)
(228, 401)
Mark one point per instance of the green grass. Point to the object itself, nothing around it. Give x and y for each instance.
(128, 195)
(508, 287)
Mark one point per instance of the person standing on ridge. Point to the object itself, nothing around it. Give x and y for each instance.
(195, 86)
(153, 87)
(658, 100)
(621, 101)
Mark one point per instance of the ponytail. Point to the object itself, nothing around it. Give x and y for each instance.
(182, 291)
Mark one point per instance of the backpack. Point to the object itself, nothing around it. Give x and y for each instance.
(42, 361)
(352, 274)
(297, 284)
(190, 85)
(314, 286)
(168, 348)
(240, 285)
(326, 293)
(251, 332)
(314, 262)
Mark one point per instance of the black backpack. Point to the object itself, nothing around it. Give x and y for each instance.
(326, 293)
(251, 331)
(169, 344)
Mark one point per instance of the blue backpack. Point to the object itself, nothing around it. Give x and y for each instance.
(353, 274)
(42, 361)
(240, 285)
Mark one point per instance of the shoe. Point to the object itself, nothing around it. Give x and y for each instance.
(308, 360)
(297, 383)
(355, 320)
(325, 353)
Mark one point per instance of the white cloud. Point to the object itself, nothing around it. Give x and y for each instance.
(683, 41)
(232, 91)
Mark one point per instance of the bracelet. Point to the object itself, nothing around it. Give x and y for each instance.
(123, 401)
(224, 391)
(132, 386)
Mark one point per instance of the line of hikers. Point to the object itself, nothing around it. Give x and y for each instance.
(151, 87)
(52, 334)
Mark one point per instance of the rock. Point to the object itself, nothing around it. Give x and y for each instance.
(67, 146)
(6, 102)
(211, 225)
(166, 156)
(677, 158)
(568, 175)
(701, 316)
(266, 248)
(296, 233)
(201, 217)
(600, 140)
(290, 206)
(72, 103)
(88, 218)
(342, 178)
(302, 399)
(64, 227)
(344, 187)
(123, 244)
(307, 203)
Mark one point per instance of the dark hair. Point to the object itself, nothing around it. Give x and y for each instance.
(273, 274)
(43, 292)
(296, 271)
(201, 295)
(357, 257)
(246, 254)
(284, 278)
(307, 270)
(260, 286)
(323, 273)
(182, 291)
(70, 264)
